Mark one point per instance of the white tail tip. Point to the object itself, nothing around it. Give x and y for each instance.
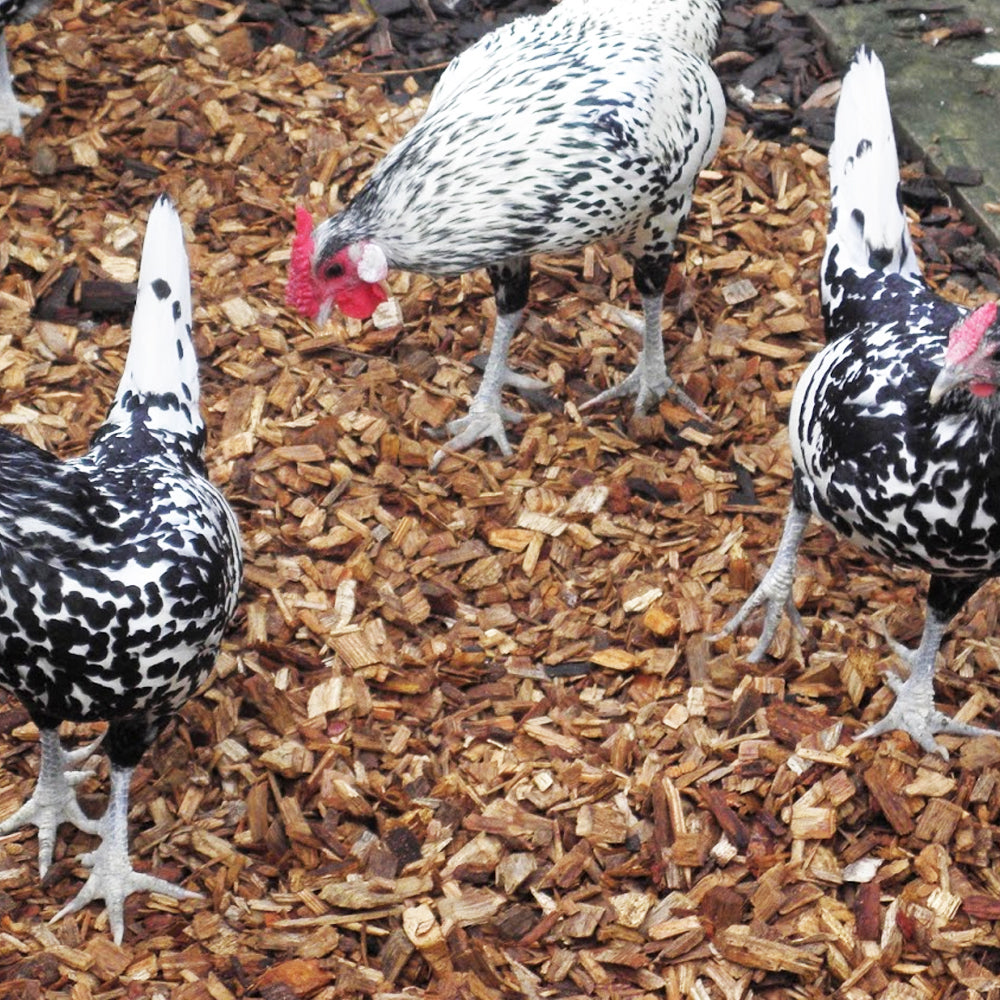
(161, 357)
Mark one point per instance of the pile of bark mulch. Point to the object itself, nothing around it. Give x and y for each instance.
(467, 736)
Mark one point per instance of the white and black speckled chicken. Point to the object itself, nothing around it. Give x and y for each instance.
(895, 424)
(119, 571)
(11, 109)
(552, 132)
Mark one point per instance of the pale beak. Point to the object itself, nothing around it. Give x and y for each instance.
(977, 370)
(947, 378)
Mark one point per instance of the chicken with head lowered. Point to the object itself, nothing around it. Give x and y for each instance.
(589, 122)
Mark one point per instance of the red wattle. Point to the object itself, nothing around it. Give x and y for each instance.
(360, 301)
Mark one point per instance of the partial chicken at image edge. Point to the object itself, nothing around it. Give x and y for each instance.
(11, 109)
(548, 134)
(119, 572)
(894, 424)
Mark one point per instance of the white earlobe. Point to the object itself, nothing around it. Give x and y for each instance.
(372, 267)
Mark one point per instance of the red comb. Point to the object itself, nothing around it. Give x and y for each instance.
(300, 292)
(966, 336)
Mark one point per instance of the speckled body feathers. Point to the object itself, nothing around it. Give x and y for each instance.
(912, 482)
(120, 569)
(548, 134)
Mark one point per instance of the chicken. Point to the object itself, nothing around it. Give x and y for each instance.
(11, 109)
(548, 134)
(893, 425)
(119, 571)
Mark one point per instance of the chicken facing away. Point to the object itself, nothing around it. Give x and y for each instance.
(119, 571)
(589, 122)
(894, 425)
(11, 109)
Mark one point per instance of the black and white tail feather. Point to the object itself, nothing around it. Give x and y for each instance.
(868, 227)
(119, 571)
(160, 380)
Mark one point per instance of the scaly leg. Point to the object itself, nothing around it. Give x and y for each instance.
(649, 381)
(11, 108)
(53, 801)
(775, 590)
(487, 413)
(913, 710)
(112, 877)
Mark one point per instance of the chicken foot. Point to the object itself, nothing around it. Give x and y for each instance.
(775, 590)
(53, 800)
(112, 877)
(487, 413)
(11, 109)
(649, 381)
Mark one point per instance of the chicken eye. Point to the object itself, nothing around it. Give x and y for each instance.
(333, 270)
